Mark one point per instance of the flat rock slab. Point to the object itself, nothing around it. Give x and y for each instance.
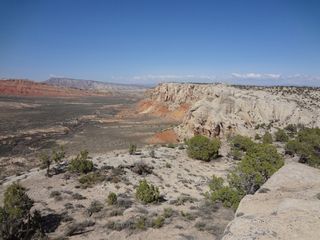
(286, 207)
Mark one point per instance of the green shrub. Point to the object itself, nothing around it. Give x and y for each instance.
(292, 147)
(90, 179)
(241, 143)
(112, 199)
(255, 168)
(307, 146)
(216, 183)
(16, 202)
(16, 221)
(188, 216)
(58, 154)
(141, 223)
(167, 212)
(281, 136)
(158, 222)
(310, 136)
(132, 149)
(202, 148)
(259, 163)
(267, 138)
(228, 196)
(81, 164)
(236, 154)
(47, 160)
(147, 193)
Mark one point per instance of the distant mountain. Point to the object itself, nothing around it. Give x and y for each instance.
(93, 85)
(23, 87)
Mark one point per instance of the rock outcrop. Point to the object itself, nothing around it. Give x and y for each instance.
(286, 207)
(219, 109)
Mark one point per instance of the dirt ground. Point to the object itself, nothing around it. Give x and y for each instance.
(66, 205)
(30, 125)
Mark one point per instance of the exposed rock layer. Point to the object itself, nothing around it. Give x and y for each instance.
(286, 207)
(219, 109)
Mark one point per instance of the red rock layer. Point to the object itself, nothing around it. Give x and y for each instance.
(14, 87)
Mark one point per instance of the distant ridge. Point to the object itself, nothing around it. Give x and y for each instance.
(93, 85)
(24, 87)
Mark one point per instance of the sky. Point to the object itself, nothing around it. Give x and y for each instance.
(268, 42)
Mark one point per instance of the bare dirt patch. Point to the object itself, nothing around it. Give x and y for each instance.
(166, 136)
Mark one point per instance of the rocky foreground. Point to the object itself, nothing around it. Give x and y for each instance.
(76, 210)
(286, 207)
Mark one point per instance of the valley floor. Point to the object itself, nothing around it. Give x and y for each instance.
(31, 125)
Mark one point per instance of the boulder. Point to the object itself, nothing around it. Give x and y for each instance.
(286, 207)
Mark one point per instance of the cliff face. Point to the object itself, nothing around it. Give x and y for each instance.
(17, 87)
(286, 207)
(218, 109)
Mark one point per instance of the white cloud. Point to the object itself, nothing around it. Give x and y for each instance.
(56, 76)
(173, 77)
(256, 75)
(251, 78)
(274, 79)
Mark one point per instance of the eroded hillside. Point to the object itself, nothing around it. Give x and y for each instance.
(219, 109)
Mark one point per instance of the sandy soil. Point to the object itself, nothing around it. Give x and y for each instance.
(182, 182)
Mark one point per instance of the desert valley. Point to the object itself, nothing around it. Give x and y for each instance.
(92, 160)
(159, 120)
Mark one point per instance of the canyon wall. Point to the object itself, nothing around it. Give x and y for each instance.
(220, 110)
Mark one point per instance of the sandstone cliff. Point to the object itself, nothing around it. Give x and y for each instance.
(286, 207)
(219, 109)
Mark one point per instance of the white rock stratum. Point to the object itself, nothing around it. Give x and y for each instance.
(289, 208)
(219, 109)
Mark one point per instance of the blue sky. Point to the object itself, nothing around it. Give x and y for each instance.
(258, 42)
